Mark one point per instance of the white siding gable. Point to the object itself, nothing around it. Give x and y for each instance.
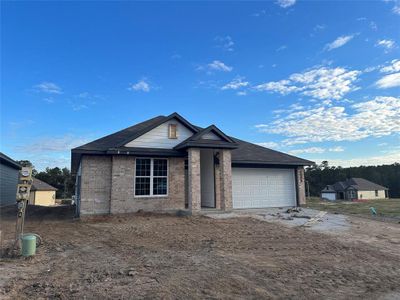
(158, 137)
(210, 136)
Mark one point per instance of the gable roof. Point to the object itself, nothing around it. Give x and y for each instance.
(359, 184)
(364, 184)
(242, 153)
(328, 189)
(5, 160)
(38, 185)
(197, 141)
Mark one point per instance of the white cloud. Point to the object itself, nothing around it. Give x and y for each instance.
(319, 83)
(235, 84)
(225, 43)
(374, 118)
(389, 81)
(393, 67)
(316, 150)
(78, 106)
(307, 150)
(141, 85)
(386, 44)
(362, 161)
(48, 87)
(49, 100)
(218, 65)
(286, 3)
(396, 7)
(241, 93)
(336, 149)
(259, 13)
(319, 27)
(273, 145)
(339, 42)
(52, 144)
(281, 48)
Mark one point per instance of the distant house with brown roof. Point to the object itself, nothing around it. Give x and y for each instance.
(354, 189)
(42, 193)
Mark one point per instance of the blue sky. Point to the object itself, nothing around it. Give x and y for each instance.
(320, 80)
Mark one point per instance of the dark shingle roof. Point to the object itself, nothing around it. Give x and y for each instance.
(245, 152)
(254, 154)
(115, 139)
(4, 159)
(38, 185)
(328, 189)
(359, 184)
(362, 184)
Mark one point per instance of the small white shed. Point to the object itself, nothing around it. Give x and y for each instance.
(328, 193)
(328, 196)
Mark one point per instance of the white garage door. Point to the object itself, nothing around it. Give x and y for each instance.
(329, 196)
(256, 188)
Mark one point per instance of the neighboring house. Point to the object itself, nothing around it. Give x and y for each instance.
(354, 188)
(42, 193)
(167, 163)
(9, 175)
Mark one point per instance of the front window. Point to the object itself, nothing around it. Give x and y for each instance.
(376, 193)
(151, 177)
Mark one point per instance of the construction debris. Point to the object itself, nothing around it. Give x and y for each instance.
(315, 219)
(293, 210)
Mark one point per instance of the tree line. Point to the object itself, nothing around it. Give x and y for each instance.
(319, 176)
(61, 179)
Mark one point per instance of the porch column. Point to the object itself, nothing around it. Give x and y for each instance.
(225, 163)
(300, 186)
(194, 195)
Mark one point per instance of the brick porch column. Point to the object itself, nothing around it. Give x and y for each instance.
(194, 195)
(225, 163)
(300, 186)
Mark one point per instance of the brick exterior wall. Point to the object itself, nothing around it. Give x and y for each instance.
(194, 195)
(95, 185)
(226, 179)
(301, 187)
(108, 186)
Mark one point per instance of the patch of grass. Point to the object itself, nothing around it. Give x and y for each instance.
(389, 208)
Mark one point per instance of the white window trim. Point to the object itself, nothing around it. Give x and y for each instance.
(151, 179)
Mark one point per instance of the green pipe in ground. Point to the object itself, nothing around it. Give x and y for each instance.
(28, 245)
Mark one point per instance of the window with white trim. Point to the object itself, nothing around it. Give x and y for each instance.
(151, 177)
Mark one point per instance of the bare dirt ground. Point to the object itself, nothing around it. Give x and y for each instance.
(169, 257)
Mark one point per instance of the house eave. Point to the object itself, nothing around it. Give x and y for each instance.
(268, 163)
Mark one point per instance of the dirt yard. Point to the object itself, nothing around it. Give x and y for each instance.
(169, 257)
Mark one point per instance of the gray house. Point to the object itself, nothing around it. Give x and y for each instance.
(353, 189)
(167, 163)
(9, 175)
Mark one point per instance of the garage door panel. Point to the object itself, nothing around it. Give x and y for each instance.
(253, 188)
